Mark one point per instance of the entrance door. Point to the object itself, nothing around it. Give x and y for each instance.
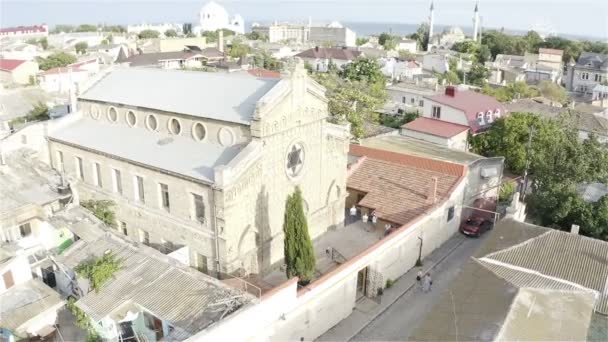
(362, 283)
(8, 280)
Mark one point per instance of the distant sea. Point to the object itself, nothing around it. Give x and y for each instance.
(365, 29)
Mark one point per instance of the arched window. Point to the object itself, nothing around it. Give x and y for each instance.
(175, 127)
(112, 114)
(480, 118)
(152, 122)
(489, 117)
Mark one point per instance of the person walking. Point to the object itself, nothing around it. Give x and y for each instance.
(427, 283)
(419, 278)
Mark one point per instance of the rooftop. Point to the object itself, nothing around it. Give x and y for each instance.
(10, 64)
(396, 186)
(152, 59)
(416, 147)
(471, 103)
(333, 53)
(219, 96)
(264, 73)
(526, 283)
(149, 148)
(371, 129)
(414, 88)
(24, 302)
(178, 294)
(556, 52)
(594, 60)
(435, 127)
(25, 180)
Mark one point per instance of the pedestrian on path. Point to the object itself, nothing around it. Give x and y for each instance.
(419, 278)
(427, 282)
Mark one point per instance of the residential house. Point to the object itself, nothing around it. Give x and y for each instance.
(166, 60)
(589, 70)
(600, 96)
(405, 44)
(523, 284)
(506, 69)
(451, 135)
(464, 107)
(409, 96)
(440, 62)
(25, 31)
(17, 71)
(150, 298)
(320, 58)
(548, 66)
(29, 307)
(63, 80)
(400, 70)
(205, 201)
(334, 34)
(588, 119)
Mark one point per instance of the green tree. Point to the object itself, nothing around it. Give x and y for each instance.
(102, 209)
(478, 75)
(99, 270)
(396, 121)
(114, 29)
(54, 60)
(190, 35)
(86, 28)
(81, 47)
(254, 35)
(170, 33)
(553, 91)
(422, 36)
(515, 90)
(62, 28)
(363, 69)
(361, 40)
(44, 43)
(238, 49)
(533, 41)
(405, 55)
(264, 60)
(299, 253)
(352, 101)
(148, 34)
(83, 321)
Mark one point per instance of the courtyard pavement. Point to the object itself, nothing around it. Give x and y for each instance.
(404, 305)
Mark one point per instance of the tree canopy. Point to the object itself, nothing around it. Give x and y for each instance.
(298, 249)
(264, 60)
(511, 91)
(148, 34)
(99, 270)
(361, 40)
(553, 91)
(86, 28)
(238, 49)
(421, 36)
(354, 93)
(559, 162)
(54, 60)
(81, 47)
(170, 33)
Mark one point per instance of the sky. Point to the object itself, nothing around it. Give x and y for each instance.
(573, 17)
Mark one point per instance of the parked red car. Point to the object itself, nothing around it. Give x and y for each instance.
(475, 226)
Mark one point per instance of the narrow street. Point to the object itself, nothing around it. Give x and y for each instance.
(400, 319)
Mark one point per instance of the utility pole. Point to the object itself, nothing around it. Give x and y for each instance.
(525, 185)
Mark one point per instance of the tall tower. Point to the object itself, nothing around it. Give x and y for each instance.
(431, 22)
(476, 23)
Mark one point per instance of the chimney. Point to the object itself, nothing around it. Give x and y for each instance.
(575, 228)
(432, 195)
(220, 41)
(450, 91)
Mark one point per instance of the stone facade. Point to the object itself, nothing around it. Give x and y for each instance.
(244, 207)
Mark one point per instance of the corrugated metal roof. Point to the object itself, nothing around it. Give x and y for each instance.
(218, 96)
(25, 301)
(568, 257)
(181, 296)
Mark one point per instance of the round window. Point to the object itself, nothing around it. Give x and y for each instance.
(151, 122)
(226, 136)
(95, 112)
(131, 118)
(112, 114)
(198, 131)
(174, 126)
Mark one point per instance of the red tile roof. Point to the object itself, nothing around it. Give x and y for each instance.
(264, 73)
(551, 51)
(471, 103)
(10, 64)
(396, 186)
(333, 53)
(435, 127)
(35, 28)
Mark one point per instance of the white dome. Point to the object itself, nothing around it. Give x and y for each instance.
(455, 30)
(213, 8)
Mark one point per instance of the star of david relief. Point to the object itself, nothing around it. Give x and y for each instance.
(295, 160)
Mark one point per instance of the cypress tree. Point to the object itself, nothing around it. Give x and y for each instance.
(299, 253)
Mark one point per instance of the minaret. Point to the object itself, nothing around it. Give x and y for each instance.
(431, 22)
(476, 22)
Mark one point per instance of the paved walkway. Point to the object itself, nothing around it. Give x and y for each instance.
(360, 324)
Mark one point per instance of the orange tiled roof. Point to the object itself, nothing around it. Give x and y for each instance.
(396, 186)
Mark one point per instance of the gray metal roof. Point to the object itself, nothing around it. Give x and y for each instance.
(25, 301)
(180, 295)
(218, 96)
(178, 154)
